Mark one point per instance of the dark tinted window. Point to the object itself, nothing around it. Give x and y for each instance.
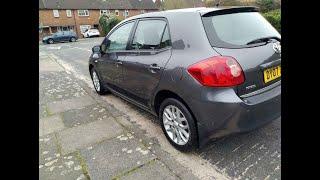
(148, 34)
(119, 38)
(237, 29)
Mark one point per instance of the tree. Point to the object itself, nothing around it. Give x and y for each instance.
(266, 5)
(174, 4)
(107, 23)
(212, 3)
(159, 4)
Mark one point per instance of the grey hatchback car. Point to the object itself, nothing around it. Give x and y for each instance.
(204, 72)
(60, 36)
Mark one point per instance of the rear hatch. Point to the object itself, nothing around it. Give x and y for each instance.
(246, 36)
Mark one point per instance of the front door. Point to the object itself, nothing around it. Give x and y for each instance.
(143, 66)
(114, 49)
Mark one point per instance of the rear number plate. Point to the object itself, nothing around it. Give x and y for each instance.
(272, 74)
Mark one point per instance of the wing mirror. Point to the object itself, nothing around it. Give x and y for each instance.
(96, 49)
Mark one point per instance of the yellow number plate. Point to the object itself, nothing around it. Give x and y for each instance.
(272, 74)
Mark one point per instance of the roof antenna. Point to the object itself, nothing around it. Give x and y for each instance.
(218, 3)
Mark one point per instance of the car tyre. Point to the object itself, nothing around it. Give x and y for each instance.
(73, 39)
(98, 86)
(188, 124)
(50, 41)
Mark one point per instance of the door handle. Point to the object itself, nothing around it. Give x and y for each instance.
(154, 67)
(119, 62)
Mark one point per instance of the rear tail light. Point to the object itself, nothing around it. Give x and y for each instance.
(217, 71)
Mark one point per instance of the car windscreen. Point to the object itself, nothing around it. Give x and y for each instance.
(235, 30)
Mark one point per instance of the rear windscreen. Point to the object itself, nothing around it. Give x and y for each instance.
(237, 29)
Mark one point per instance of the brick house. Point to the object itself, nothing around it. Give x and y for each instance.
(79, 15)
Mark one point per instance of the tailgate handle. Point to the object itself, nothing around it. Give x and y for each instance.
(276, 62)
(155, 66)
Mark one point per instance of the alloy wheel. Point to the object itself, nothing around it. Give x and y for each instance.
(176, 125)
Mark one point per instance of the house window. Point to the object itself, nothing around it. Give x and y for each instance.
(142, 11)
(83, 28)
(104, 12)
(83, 12)
(126, 13)
(117, 12)
(55, 13)
(68, 13)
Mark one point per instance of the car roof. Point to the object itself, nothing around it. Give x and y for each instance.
(201, 10)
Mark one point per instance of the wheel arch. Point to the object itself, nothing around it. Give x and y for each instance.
(164, 94)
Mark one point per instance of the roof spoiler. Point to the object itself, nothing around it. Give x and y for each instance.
(230, 10)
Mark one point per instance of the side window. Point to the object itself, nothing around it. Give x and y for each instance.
(119, 38)
(148, 34)
(166, 41)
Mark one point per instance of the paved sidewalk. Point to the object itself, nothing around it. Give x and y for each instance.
(83, 137)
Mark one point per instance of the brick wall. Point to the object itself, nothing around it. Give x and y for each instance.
(46, 18)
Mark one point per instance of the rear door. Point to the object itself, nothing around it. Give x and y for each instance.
(236, 33)
(58, 36)
(66, 36)
(150, 51)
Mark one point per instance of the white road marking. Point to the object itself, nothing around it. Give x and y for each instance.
(54, 47)
(78, 48)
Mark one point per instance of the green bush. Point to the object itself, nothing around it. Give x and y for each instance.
(107, 23)
(274, 17)
(266, 5)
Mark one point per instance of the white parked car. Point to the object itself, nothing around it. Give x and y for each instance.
(91, 33)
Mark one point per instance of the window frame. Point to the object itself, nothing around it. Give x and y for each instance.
(56, 13)
(117, 12)
(83, 10)
(148, 50)
(134, 21)
(105, 10)
(68, 15)
(126, 13)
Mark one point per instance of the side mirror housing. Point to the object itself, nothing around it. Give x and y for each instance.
(96, 49)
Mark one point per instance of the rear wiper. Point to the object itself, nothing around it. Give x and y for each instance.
(264, 39)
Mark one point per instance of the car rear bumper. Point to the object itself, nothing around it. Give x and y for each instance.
(221, 113)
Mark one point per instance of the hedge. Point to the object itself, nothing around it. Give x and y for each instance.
(274, 17)
(107, 23)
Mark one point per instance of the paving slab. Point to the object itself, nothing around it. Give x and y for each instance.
(115, 157)
(87, 134)
(47, 147)
(47, 64)
(85, 115)
(65, 105)
(62, 168)
(50, 124)
(155, 170)
(58, 86)
(124, 121)
(52, 165)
